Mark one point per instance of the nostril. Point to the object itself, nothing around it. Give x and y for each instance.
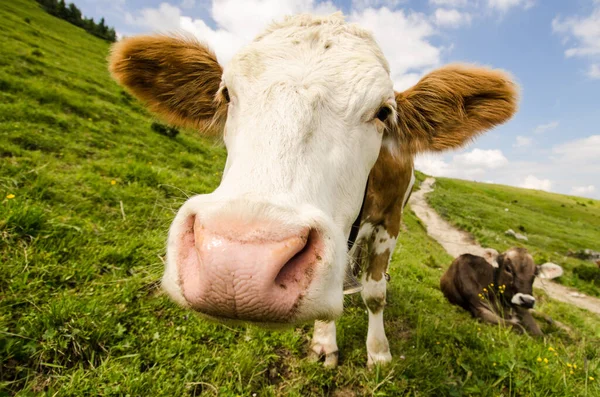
(297, 271)
(527, 301)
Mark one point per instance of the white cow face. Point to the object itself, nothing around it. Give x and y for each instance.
(304, 110)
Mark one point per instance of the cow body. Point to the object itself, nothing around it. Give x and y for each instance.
(309, 117)
(498, 295)
(388, 190)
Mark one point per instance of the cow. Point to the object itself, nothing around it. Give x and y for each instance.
(499, 294)
(314, 133)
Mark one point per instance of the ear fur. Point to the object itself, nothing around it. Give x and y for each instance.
(176, 77)
(549, 271)
(452, 105)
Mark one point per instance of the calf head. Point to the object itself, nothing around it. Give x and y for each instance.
(516, 272)
(303, 111)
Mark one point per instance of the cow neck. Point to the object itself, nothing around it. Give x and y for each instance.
(356, 225)
(351, 284)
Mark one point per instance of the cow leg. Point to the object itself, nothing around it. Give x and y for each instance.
(528, 321)
(489, 316)
(324, 343)
(374, 293)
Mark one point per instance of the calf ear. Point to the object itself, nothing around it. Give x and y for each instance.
(176, 77)
(452, 105)
(500, 260)
(549, 271)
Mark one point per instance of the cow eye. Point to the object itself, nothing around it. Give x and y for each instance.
(383, 113)
(225, 93)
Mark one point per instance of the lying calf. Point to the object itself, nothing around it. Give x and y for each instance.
(499, 295)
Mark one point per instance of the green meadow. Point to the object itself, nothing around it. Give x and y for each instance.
(554, 224)
(87, 192)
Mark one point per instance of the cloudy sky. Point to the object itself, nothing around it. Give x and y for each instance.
(552, 48)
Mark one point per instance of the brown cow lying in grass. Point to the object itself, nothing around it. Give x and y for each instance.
(498, 295)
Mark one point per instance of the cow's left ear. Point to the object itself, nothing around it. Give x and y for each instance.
(451, 105)
(549, 271)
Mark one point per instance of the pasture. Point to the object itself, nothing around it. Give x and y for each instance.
(87, 191)
(554, 224)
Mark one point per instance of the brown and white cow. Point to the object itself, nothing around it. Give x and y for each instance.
(501, 294)
(308, 114)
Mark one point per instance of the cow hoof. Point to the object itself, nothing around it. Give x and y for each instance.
(331, 359)
(381, 359)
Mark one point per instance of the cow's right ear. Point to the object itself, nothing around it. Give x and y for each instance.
(176, 77)
(452, 105)
(500, 260)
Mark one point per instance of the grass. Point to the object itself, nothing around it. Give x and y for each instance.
(92, 191)
(554, 224)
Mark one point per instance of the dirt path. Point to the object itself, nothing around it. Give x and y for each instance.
(457, 242)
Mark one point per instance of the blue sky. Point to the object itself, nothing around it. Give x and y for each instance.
(551, 47)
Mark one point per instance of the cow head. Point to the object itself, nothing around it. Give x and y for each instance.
(517, 271)
(303, 111)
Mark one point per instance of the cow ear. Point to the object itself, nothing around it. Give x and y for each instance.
(176, 77)
(500, 260)
(452, 105)
(549, 271)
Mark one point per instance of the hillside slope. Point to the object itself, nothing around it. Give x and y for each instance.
(554, 224)
(87, 191)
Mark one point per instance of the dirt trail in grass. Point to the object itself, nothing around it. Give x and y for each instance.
(457, 242)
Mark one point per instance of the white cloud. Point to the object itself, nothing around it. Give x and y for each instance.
(188, 3)
(594, 71)
(583, 190)
(450, 3)
(522, 141)
(580, 151)
(473, 164)
(540, 129)
(566, 166)
(362, 4)
(403, 37)
(531, 182)
(166, 17)
(451, 18)
(505, 5)
(583, 35)
(489, 159)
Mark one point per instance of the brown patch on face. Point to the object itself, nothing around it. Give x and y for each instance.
(177, 78)
(450, 106)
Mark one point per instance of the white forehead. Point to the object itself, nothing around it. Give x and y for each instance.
(324, 54)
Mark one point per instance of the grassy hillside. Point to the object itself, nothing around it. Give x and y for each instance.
(87, 191)
(553, 223)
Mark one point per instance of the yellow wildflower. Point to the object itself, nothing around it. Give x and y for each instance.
(10, 196)
(113, 182)
(545, 361)
(539, 359)
(550, 349)
(591, 378)
(571, 372)
(575, 366)
(569, 365)
(485, 290)
(437, 343)
(491, 284)
(494, 364)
